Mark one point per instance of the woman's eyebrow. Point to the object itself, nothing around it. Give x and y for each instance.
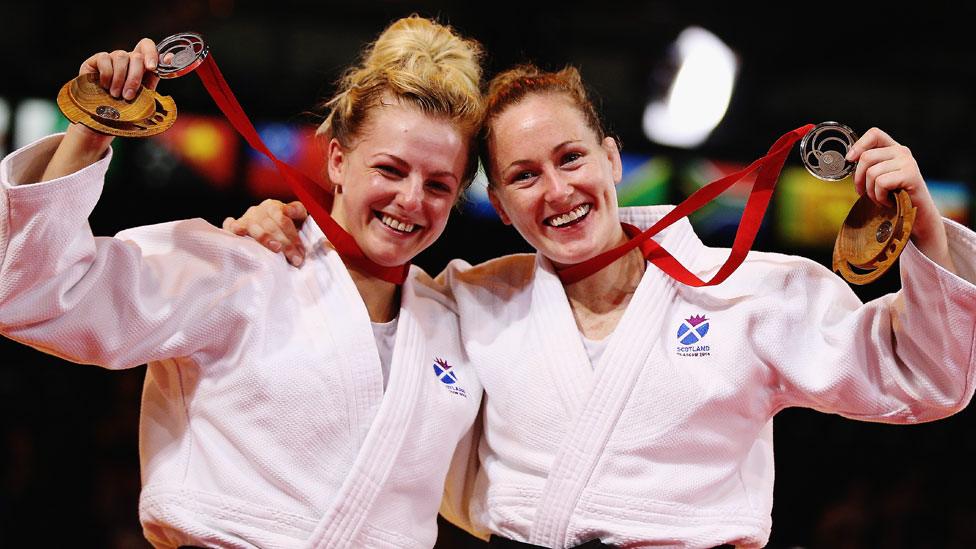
(402, 163)
(554, 149)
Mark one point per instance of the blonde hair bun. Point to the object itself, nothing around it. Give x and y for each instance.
(416, 60)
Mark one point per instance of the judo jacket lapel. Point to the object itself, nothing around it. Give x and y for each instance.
(625, 357)
(343, 520)
(563, 353)
(631, 348)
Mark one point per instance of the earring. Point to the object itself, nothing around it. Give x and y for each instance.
(336, 188)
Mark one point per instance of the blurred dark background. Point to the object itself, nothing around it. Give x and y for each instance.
(69, 461)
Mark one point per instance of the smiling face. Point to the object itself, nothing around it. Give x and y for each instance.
(399, 181)
(554, 179)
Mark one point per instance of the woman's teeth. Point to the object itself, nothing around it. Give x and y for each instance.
(573, 215)
(398, 225)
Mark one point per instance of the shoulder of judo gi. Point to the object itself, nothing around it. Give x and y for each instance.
(198, 245)
(430, 292)
(499, 278)
(773, 276)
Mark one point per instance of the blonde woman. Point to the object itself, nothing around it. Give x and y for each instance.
(318, 407)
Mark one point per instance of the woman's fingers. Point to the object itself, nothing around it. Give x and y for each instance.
(872, 139)
(121, 72)
(881, 179)
(867, 159)
(146, 48)
(284, 219)
(273, 224)
(120, 67)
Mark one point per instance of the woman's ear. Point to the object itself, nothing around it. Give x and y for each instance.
(335, 162)
(613, 155)
(497, 204)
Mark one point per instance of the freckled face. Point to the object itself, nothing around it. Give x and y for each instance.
(554, 179)
(399, 181)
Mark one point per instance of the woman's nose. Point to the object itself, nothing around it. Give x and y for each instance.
(410, 194)
(557, 188)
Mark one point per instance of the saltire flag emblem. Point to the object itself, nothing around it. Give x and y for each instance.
(443, 372)
(693, 329)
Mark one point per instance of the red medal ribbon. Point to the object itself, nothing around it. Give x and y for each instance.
(768, 167)
(316, 199)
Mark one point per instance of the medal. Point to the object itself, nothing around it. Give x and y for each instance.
(824, 148)
(188, 52)
(84, 101)
(872, 236)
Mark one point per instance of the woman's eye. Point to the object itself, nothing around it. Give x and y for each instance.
(571, 157)
(523, 176)
(438, 187)
(390, 170)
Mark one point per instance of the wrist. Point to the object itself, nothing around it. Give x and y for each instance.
(931, 239)
(80, 148)
(85, 141)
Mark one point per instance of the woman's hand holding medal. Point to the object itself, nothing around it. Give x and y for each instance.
(885, 166)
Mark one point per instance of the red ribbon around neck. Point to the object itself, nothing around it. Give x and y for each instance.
(316, 199)
(768, 167)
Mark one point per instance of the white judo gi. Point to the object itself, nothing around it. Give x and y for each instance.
(667, 441)
(264, 420)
